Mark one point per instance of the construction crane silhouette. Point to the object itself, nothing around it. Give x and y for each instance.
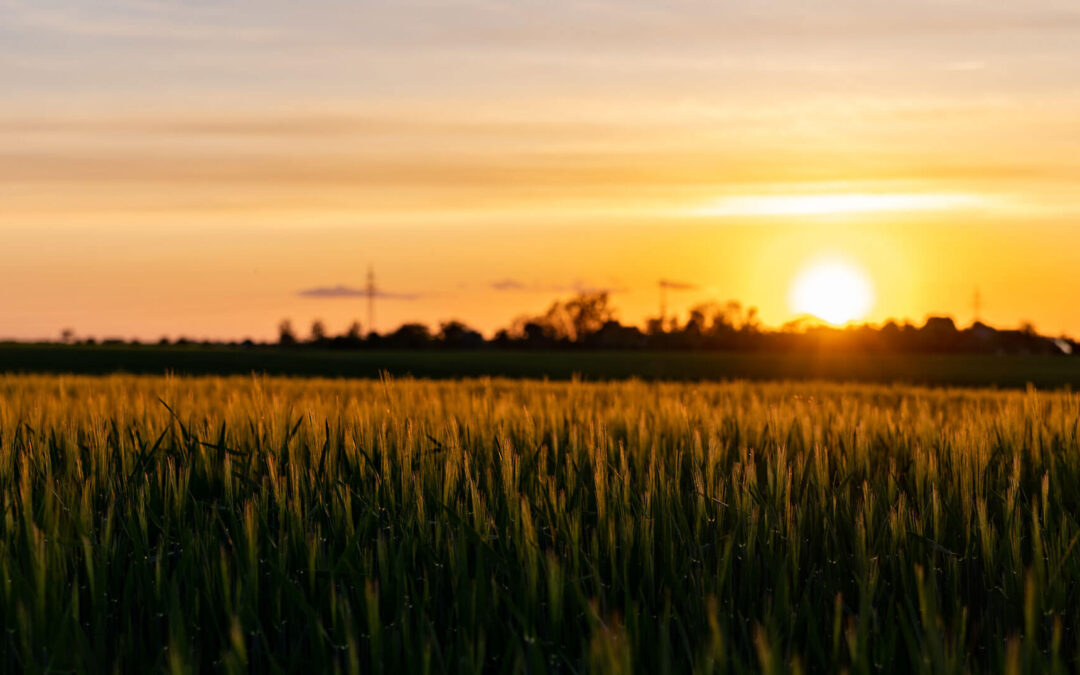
(666, 285)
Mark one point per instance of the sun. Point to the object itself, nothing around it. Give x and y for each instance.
(833, 290)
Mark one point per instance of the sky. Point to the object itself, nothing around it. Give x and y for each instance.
(193, 167)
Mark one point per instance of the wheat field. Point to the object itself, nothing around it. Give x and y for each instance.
(310, 525)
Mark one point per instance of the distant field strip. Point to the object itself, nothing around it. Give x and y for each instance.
(246, 524)
(1015, 371)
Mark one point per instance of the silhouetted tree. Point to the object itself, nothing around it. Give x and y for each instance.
(538, 334)
(572, 320)
(410, 336)
(751, 322)
(588, 312)
(938, 334)
(457, 335)
(286, 334)
(318, 331)
(614, 335)
(701, 318)
(502, 338)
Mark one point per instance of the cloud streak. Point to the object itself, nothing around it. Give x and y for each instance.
(519, 286)
(342, 291)
(826, 203)
(138, 21)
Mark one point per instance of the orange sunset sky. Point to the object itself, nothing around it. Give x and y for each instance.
(190, 167)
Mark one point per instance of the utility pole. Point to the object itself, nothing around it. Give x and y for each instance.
(369, 290)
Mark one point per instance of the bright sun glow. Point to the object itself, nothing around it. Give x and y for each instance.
(832, 290)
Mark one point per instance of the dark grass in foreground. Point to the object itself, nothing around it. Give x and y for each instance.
(515, 526)
(927, 369)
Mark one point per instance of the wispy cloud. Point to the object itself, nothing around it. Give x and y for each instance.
(579, 286)
(142, 20)
(509, 285)
(818, 204)
(342, 291)
(965, 66)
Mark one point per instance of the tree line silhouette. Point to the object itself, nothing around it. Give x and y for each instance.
(589, 321)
